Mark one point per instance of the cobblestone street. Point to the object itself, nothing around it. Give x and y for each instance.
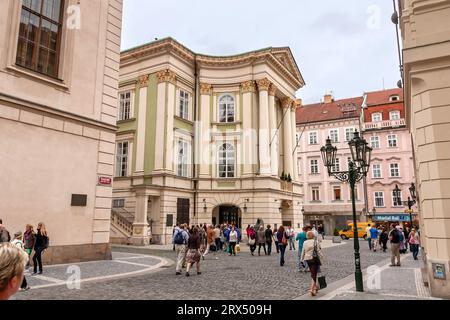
(240, 277)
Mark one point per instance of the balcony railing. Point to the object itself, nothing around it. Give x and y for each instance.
(385, 124)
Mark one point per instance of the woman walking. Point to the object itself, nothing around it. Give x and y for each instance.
(232, 240)
(282, 243)
(312, 254)
(384, 237)
(40, 245)
(414, 243)
(261, 240)
(251, 233)
(29, 238)
(18, 237)
(193, 255)
(275, 239)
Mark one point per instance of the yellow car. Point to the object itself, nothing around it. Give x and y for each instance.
(348, 233)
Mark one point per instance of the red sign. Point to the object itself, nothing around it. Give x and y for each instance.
(105, 181)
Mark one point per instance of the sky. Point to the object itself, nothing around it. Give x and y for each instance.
(344, 47)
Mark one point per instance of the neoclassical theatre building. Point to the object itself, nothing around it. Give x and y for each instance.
(204, 139)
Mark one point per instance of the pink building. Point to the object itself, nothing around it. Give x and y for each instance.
(384, 128)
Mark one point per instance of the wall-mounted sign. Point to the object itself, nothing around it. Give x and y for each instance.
(439, 271)
(105, 181)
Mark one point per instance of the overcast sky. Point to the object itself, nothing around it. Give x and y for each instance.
(347, 46)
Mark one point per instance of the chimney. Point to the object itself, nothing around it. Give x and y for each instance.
(328, 98)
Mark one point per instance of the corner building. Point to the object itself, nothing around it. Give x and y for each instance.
(204, 139)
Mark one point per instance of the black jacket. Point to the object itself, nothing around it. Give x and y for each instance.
(41, 241)
(269, 235)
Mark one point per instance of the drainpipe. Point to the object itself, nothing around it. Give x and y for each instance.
(194, 144)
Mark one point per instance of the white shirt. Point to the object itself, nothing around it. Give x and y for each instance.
(233, 236)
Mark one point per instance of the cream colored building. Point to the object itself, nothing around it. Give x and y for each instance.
(58, 121)
(204, 139)
(426, 40)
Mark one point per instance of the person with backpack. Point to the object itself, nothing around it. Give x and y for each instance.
(18, 237)
(180, 240)
(283, 240)
(4, 234)
(41, 244)
(384, 237)
(394, 237)
(269, 237)
(251, 233)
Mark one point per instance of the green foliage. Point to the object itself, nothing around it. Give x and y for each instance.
(336, 232)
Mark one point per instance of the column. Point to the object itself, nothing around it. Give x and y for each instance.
(249, 134)
(295, 105)
(274, 136)
(264, 136)
(160, 121)
(204, 136)
(287, 136)
(140, 225)
(140, 139)
(170, 112)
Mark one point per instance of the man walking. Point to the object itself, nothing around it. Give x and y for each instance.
(269, 236)
(394, 237)
(374, 237)
(368, 236)
(180, 240)
(291, 235)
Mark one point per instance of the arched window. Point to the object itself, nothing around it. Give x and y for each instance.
(377, 117)
(226, 161)
(226, 109)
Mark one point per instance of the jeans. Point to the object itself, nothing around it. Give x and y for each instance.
(384, 242)
(301, 265)
(369, 240)
(269, 248)
(415, 250)
(259, 248)
(282, 251)
(291, 243)
(232, 249)
(37, 259)
(218, 246)
(277, 246)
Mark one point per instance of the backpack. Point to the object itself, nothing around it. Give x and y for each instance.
(179, 239)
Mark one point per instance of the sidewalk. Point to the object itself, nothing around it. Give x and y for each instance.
(381, 282)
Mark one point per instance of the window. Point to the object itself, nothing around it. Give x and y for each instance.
(334, 135)
(119, 203)
(349, 133)
(315, 194)
(313, 138)
(182, 166)
(392, 140)
(377, 117)
(40, 35)
(337, 165)
(122, 159)
(124, 106)
(394, 115)
(337, 193)
(376, 171)
(395, 202)
(183, 111)
(394, 98)
(297, 139)
(379, 199)
(226, 109)
(395, 170)
(226, 161)
(314, 166)
(375, 142)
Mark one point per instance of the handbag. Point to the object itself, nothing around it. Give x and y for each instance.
(284, 241)
(238, 248)
(322, 282)
(251, 241)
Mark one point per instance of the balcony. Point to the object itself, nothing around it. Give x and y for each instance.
(385, 124)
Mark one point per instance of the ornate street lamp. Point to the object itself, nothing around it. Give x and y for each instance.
(412, 200)
(358, 168)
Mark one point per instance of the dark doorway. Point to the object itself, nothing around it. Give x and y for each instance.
(183, 211)
(230, 214)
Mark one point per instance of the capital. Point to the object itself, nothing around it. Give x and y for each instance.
(263, 84)
(143, 81)
(286, 102)
(205, 89)
(248, 86)
(297, 104)
(272, 90)
(166, 76)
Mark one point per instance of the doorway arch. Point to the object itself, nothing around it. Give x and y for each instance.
(227, 213)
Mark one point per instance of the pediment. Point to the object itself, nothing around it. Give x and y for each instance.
(285, 57)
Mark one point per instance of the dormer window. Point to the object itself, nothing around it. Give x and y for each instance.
(394, 98)
(377, 117)
(394, 115)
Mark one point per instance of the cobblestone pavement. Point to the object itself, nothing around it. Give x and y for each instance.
(233, 278)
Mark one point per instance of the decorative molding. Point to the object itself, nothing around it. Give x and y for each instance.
(248, 86)
(205, 89)
(143, 81)
(167, 76)
(264, 84)
(273, 90)
(286, 102)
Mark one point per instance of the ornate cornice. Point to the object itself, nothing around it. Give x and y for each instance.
(143, 81)
(263, 84)
(273, 90)
(248, 86)
(166, 76)
(286, 102)
(205, 89)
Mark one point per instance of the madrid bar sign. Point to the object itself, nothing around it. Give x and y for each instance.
(392, 217)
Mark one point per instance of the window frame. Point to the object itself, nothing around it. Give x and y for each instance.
(337, 165)
(373, 171)
(221, 149)
(336, 131)
(396, 112)
(351, 134)
(219, 104)
(311, 166)
(184, 165)
(120, 157)
(389, 140)
(390, 170)
(184, 98)
(121, 112)
(335, 188)
(394, 203)
(379, 142)
(375, 199)
(317, 138)
(317, 191)
(377, 114)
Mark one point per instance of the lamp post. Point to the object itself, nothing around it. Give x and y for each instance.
(412, 200)
(358, 168)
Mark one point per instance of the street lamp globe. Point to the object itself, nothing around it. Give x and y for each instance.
(412, 190)
(329, 155)
(361, 153)
(397, 195)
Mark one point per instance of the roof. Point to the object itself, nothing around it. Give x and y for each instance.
(382, 97)
(319, 112)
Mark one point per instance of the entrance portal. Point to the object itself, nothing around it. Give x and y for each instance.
(227, 214)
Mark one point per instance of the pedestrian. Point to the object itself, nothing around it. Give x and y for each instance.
(374, 237)
(407, 231)
(18, 242)
(402, 241)
(12, 268)
(193, 255)
(4, 234)
(301, 238)
(251, 233)
(223, 238)
(394, 237)
(291, 234)
(233, 240)
(29, 238)
(226, 233)
(321, 230)
(312, 254)
(217, 238)
(41, 244)
(173, 234)
(261, 240)
(414, 243)
(269, 237)
(282, 243)
(180, 240)
(368, 236)
(275, 239)
(384, 237)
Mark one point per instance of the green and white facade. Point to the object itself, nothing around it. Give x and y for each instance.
(204, 139)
